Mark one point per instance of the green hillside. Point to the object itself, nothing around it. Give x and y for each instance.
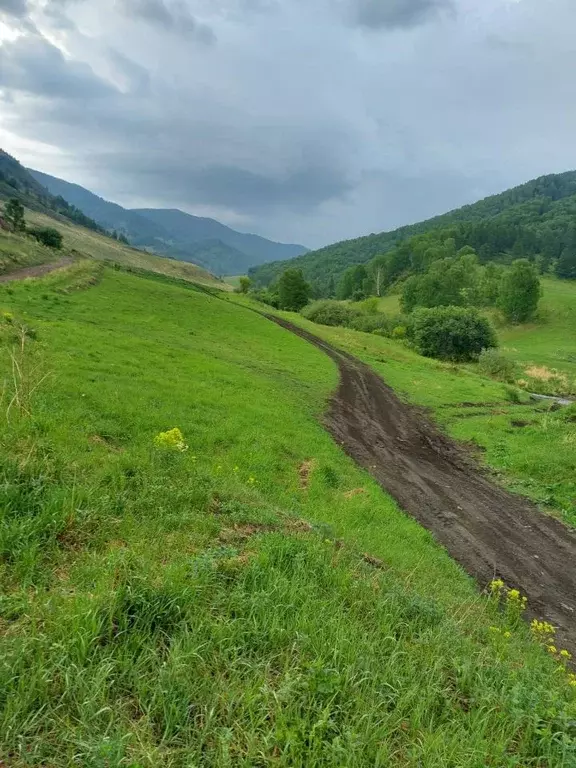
(17, 182)
(534, 219)
(240, 593)
(19, 250)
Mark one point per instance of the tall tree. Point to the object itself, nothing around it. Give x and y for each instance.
(293, 290)
(14, 213)
(520, 292)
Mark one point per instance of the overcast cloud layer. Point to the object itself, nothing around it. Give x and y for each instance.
(303, 120)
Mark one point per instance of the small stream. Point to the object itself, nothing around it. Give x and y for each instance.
(552, 398)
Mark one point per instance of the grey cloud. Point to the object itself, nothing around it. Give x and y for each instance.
(229, 187)
(378, 14)
(175, 17)
(33, 65)
(18, 8)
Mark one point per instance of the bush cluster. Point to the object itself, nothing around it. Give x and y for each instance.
(451, 333)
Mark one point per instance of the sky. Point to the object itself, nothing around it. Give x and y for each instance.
(306, 121)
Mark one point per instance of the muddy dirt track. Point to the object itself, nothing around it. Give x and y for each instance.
(36, 271)
(489, 531)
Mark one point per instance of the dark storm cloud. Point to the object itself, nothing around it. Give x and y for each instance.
(244, 191)
(18, 8)
(379, 14)
(174, 16)
(299, 125)
(31, 64)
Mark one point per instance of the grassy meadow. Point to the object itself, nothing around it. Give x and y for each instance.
(212, 604)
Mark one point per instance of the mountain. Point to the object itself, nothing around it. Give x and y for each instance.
(108, 215)
(174, 233)
(533, 219)
(17, 182)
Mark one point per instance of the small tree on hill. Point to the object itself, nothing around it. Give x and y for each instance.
(48, 236)
(245, 284)
(451, 333)
(293, 290)
(519, 292)
(14, 214)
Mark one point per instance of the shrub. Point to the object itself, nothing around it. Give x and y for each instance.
(48, 236)
(329, 312)
(369, 306)
(493, 363)
(267, 297)
(380, 324)
(520, 292)
(451, 333)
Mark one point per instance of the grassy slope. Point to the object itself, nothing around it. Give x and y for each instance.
(552, 342)
(17, 252)
(168, 608)
(96, 246)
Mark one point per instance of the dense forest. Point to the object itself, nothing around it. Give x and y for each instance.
(17, 183)
(536, 221)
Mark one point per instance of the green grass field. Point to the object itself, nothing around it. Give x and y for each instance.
(213, 606)
(17, 251)
(552, 341)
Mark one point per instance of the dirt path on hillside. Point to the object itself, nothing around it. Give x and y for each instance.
(36, 271)
(489, 531)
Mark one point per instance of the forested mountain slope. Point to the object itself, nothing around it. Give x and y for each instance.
(17, 182)
(536, 218)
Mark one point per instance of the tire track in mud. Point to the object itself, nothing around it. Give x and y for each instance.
(489, 531)
(38, 270)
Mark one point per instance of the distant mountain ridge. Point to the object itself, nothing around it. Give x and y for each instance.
(173, 233)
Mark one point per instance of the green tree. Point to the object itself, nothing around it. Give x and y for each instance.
(519, 292)
(451, 333)
(14, 213)
(353, 283)
(566, 264)
(48, 236)
(293, 290)
(245, 284)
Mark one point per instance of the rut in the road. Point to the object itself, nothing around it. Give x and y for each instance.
(489, 531)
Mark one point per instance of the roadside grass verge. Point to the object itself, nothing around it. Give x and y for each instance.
(253, 600)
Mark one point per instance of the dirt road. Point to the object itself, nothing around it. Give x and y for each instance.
(489, 531)
(36, 271)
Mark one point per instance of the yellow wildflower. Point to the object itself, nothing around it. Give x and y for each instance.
(507, 635)
(565, 654)
(173, 440)
(496, 586)
(552, 649)
(251, 480)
